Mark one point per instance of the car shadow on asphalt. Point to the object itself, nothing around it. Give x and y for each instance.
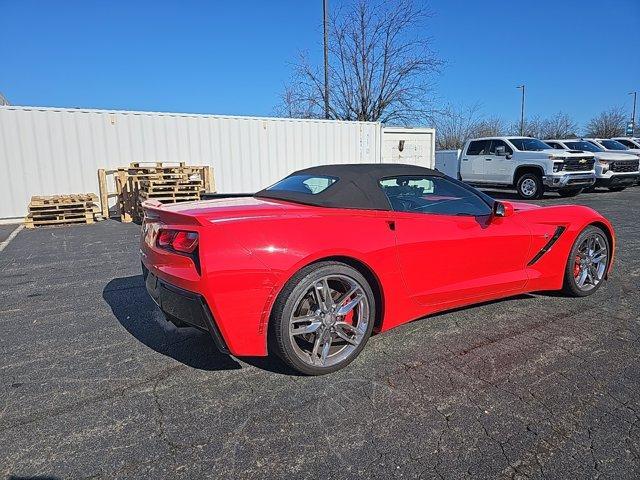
(140, 316)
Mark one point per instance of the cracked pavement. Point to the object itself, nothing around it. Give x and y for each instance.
(96, 384)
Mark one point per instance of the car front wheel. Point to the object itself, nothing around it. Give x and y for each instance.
(587, 264)
(323, 318)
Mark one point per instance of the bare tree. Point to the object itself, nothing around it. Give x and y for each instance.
(559, 126)
(379, 70)
(607, 124)
(293, 105)
(533, 127)
(454, 126)
(489, 127)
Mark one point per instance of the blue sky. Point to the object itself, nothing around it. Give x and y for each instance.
(225, 57)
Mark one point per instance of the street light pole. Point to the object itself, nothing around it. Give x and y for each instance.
(325, 13)
(633, 115)
(521, 110)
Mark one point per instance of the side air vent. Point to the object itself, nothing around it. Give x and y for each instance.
(548, 245)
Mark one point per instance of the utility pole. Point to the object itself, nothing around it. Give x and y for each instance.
(521, 110)
(325, 12)
(633, 115)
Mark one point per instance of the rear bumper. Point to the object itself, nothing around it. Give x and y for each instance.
(618, 180)
(186, 306)
(569, 180)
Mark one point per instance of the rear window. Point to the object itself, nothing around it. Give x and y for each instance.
(310, 184)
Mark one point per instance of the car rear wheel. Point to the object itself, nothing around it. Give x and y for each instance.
(529, 186)
(323, 318)
(569, 192)
(587, 263)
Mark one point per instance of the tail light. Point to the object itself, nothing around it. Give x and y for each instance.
(179, 241)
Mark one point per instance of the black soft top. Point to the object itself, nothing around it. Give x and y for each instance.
(357, 185)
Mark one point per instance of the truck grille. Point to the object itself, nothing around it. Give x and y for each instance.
(579, 164)
(624, 166)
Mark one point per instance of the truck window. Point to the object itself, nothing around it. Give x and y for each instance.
(528, 144)
(613, 145)
(554, 145)
(478, 147)
(627, 143)
(500, 143)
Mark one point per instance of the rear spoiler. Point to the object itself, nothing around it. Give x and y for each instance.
(153, 211)
(213, 196)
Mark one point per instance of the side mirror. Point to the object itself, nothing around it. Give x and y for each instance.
(502, 209)
(501, 151)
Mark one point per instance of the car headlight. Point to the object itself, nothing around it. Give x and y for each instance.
(558, 166)
(556, 157)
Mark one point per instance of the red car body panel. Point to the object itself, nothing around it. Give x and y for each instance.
(249, 248)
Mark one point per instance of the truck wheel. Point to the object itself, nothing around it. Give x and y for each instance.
(616, 189)
(529, 186)
(569, 192)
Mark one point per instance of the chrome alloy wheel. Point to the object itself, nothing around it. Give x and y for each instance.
(590, 263)
(329, 320)
(528, 187)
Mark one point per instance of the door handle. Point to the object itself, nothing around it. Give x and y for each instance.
(465, 159)
(487, 159)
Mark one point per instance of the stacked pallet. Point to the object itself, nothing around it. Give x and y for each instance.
(61, 210)
(161, 181)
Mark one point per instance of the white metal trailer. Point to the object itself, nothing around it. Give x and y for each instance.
(48, 151)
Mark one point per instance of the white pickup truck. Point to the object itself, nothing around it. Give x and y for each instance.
(632, 143)
(526, 164)
(616, 169)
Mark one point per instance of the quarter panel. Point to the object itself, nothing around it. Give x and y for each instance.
(287, 244)
(548, 272)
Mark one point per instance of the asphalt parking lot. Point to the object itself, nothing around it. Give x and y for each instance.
(95, 383)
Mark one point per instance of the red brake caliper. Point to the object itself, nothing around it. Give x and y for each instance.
(576, 266)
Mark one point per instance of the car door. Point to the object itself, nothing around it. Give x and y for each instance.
(498, 168)
(472, 161)
(451, 249)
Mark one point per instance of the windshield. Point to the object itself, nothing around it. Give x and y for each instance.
(613, 145)
(529, 144)
(584, 146)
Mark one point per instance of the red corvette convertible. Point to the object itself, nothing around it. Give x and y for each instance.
(309, 267)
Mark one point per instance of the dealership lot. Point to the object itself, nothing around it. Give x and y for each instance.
(95, 383)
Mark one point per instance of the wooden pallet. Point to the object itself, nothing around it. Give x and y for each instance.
(61, 210)
(63, 199)
(166, 182)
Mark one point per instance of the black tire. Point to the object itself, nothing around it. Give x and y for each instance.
(570, 286)
(616, 189)
(528, 190)
(279, 337)
(569, 192)
(590, 189)
(176, 321)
